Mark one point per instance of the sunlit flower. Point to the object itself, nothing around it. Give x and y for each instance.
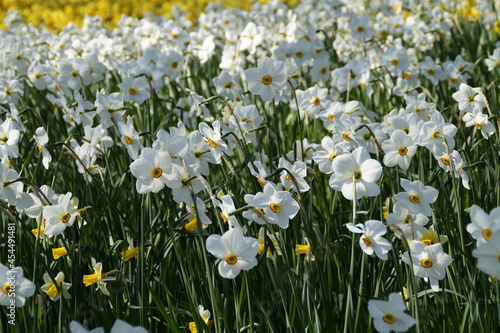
(371, 240)
(429, 262)
(483, 225)
(268, 79)
(390, 316)
(355, 175)
(417, 198)
(235, 251)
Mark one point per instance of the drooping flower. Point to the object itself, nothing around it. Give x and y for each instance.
(54, 291)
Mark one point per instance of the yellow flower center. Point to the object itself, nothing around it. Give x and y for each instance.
(332, 156)
(227, 85)
(360, 29)
(346, 137)
(430, 71)
(323, 70)
(316, 101)
(211, 143)
(403, 151)
(74, 73)
(406, 76)
(267, 80)
(128, 139)
(156, 172)
(175, 64)
(231, 259)
(65, 218)
(389, 318)
(487, 234)
(436, 135)
(446, 161)
(261, 182)
(426, 263)
(331, 117)
(414, 199)
(287, 177)
(40, 149)
(132, 91)
(357, 174)
(299, 54)
(367, 241)
(223, 216)
(52, 291)
(6, 289)
(275, 208)
(478, 126)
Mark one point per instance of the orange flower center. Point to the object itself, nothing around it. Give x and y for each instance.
(403, 151)
(426, 263)
(128, 139)
(414, 199)
(275, 208)
(267, 80)
(65, 218)
(487, 234)
(231, 259)
(156, 172)
(389, 318)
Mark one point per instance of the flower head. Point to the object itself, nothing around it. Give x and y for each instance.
(390, 316)
(235, 251)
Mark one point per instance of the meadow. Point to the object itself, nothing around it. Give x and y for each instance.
(328, 167)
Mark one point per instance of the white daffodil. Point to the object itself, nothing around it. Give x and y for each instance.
(390, 316)
(417, 198)
(151, 169)
(371, 240)
(429, 262)
(42, 138)
(355, 175)
(59, 216)
(235, 251)
(268, 79)
(399, 150)
(279, 206)
(15, 288)
(488, 255)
